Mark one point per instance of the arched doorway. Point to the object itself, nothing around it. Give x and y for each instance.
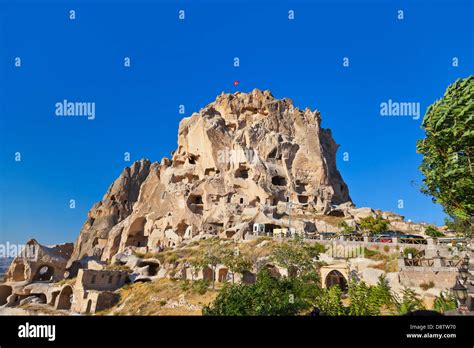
(18, 273)
(222, 275)
(208, 274)
(89, 305)
(336, 278)
(65, 298)
(136, 235)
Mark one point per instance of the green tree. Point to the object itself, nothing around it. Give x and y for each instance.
(448, 148)
(373, 225)
(297, 256)
(268, 296)
(463, 227)
(212, 259)
(409, 302)
(382, 294)
(444, 302)
(346, 229)
(236, 262)
(329, 301)
(362, 299)
(433, 232)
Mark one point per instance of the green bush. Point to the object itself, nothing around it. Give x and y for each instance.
(445, 302)
(433, 232)
(201, 286)
(268, 296)
(409, 302)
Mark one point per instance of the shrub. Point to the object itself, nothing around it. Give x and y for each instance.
(374, 225)
(201, 286)
(433, 232)
(268, 296)
(426, 286)
(410, 302)
(444, 302)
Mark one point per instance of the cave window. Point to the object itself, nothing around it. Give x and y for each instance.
(272, 154)
(242, 173)
(195, 203)
(278, 181)
(192, 159)
(241, 201)
(110, 279)
(44, 273)
(303, 199)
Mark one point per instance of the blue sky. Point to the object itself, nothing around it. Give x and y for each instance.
(190, 62)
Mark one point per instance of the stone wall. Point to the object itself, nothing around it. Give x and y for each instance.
(442, 277)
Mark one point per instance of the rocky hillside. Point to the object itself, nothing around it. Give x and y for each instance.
(245, 158)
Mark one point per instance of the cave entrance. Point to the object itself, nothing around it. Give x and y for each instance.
(278, 180)
(136, 235)
(302, 199)
(242, 173)
(196, 204)
(18, 273)
(336, 278)
(44, 273)
(65, 298)
(153, 267)
(5, 292)
(222, 275)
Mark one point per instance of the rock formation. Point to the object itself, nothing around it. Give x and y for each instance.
(244, 158)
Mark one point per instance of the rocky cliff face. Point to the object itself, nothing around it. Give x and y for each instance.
(245, 158)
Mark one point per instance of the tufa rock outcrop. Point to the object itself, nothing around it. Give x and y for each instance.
(245, 158)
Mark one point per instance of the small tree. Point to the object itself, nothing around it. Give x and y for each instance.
(463, 227)
(329, 301)
(236, 263)
(433, 232)
(410, 302)
(444, 302)
(298, 257)
(373, 225)
(211, 259)
(346, 229)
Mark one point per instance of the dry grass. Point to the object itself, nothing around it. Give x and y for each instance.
(389, 263)
(154, 298)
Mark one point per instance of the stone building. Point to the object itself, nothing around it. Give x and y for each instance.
(93, 290)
